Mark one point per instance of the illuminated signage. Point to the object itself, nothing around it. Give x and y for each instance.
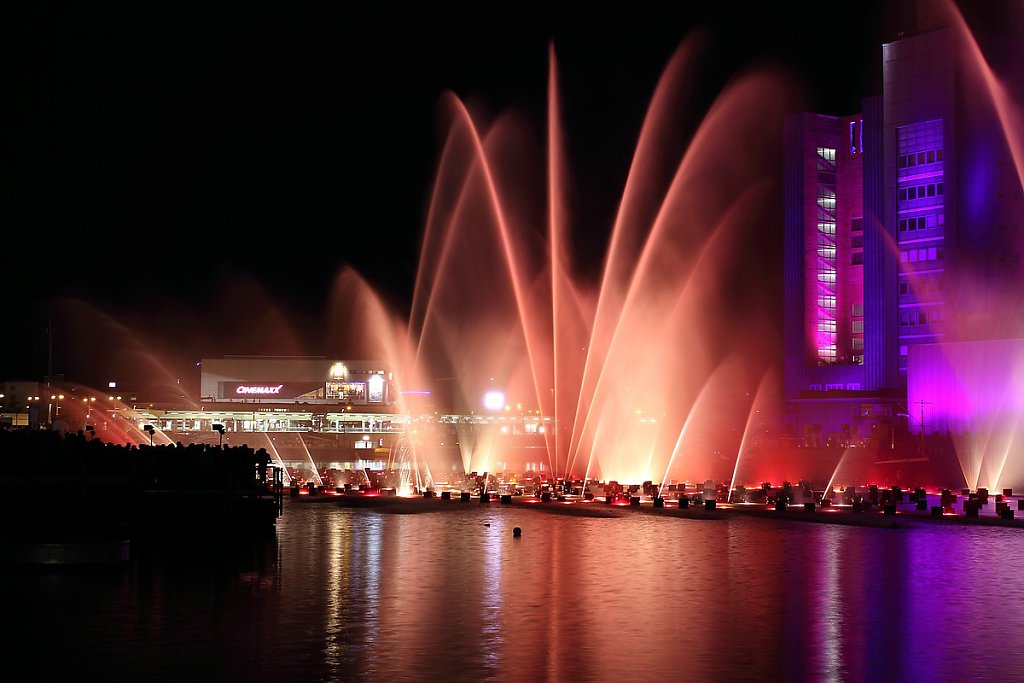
(375, 389)
(247, 390)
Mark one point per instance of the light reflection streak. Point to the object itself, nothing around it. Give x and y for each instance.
(830, 596)
(492, 595)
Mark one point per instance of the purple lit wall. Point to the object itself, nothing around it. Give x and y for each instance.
(974, 391)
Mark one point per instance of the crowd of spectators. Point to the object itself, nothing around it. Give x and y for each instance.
(46, 455)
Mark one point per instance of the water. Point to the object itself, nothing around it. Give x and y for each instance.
(355, 595)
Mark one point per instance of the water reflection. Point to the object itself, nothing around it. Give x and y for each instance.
(352, 595)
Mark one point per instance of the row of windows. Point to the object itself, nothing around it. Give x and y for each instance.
(920, 158)
(921, 318)
(826, 221)
(927, 286)
(920, 136)
(931, 220)
(857, 326)
(922, 254)
(853, 386)
(920, 191)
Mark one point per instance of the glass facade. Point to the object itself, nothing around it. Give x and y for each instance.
(826, 263)
(920, 234)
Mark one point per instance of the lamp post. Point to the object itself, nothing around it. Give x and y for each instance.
(149, 428)
(219, 428)
(28, 408)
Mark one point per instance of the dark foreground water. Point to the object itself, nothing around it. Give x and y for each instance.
(359, 595)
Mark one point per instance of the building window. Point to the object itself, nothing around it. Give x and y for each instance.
(827, 353)
(858, 310)
(858, 326)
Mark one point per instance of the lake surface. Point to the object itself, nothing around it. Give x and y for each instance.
(343, 594)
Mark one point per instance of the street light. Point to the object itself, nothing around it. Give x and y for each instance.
(149, 428)
(219, 428)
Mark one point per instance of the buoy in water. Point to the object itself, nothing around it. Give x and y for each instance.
(517, 532)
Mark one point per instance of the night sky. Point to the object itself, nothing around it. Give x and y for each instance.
(161, 168)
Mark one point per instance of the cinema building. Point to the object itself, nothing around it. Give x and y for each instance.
(332, 418)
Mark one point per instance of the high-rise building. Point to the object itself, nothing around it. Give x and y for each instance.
(901, 230)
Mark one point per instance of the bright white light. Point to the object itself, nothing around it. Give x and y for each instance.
(494, 400)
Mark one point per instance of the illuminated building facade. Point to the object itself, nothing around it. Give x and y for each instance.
(901, 229)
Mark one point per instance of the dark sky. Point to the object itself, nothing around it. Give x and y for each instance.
(154, 159)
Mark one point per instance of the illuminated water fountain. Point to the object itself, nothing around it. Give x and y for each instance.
(646, 371)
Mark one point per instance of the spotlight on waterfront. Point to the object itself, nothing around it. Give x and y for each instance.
(151, 431)
(219, 428)
(494, 400)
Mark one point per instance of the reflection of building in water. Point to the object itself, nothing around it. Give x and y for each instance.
(901, 230)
